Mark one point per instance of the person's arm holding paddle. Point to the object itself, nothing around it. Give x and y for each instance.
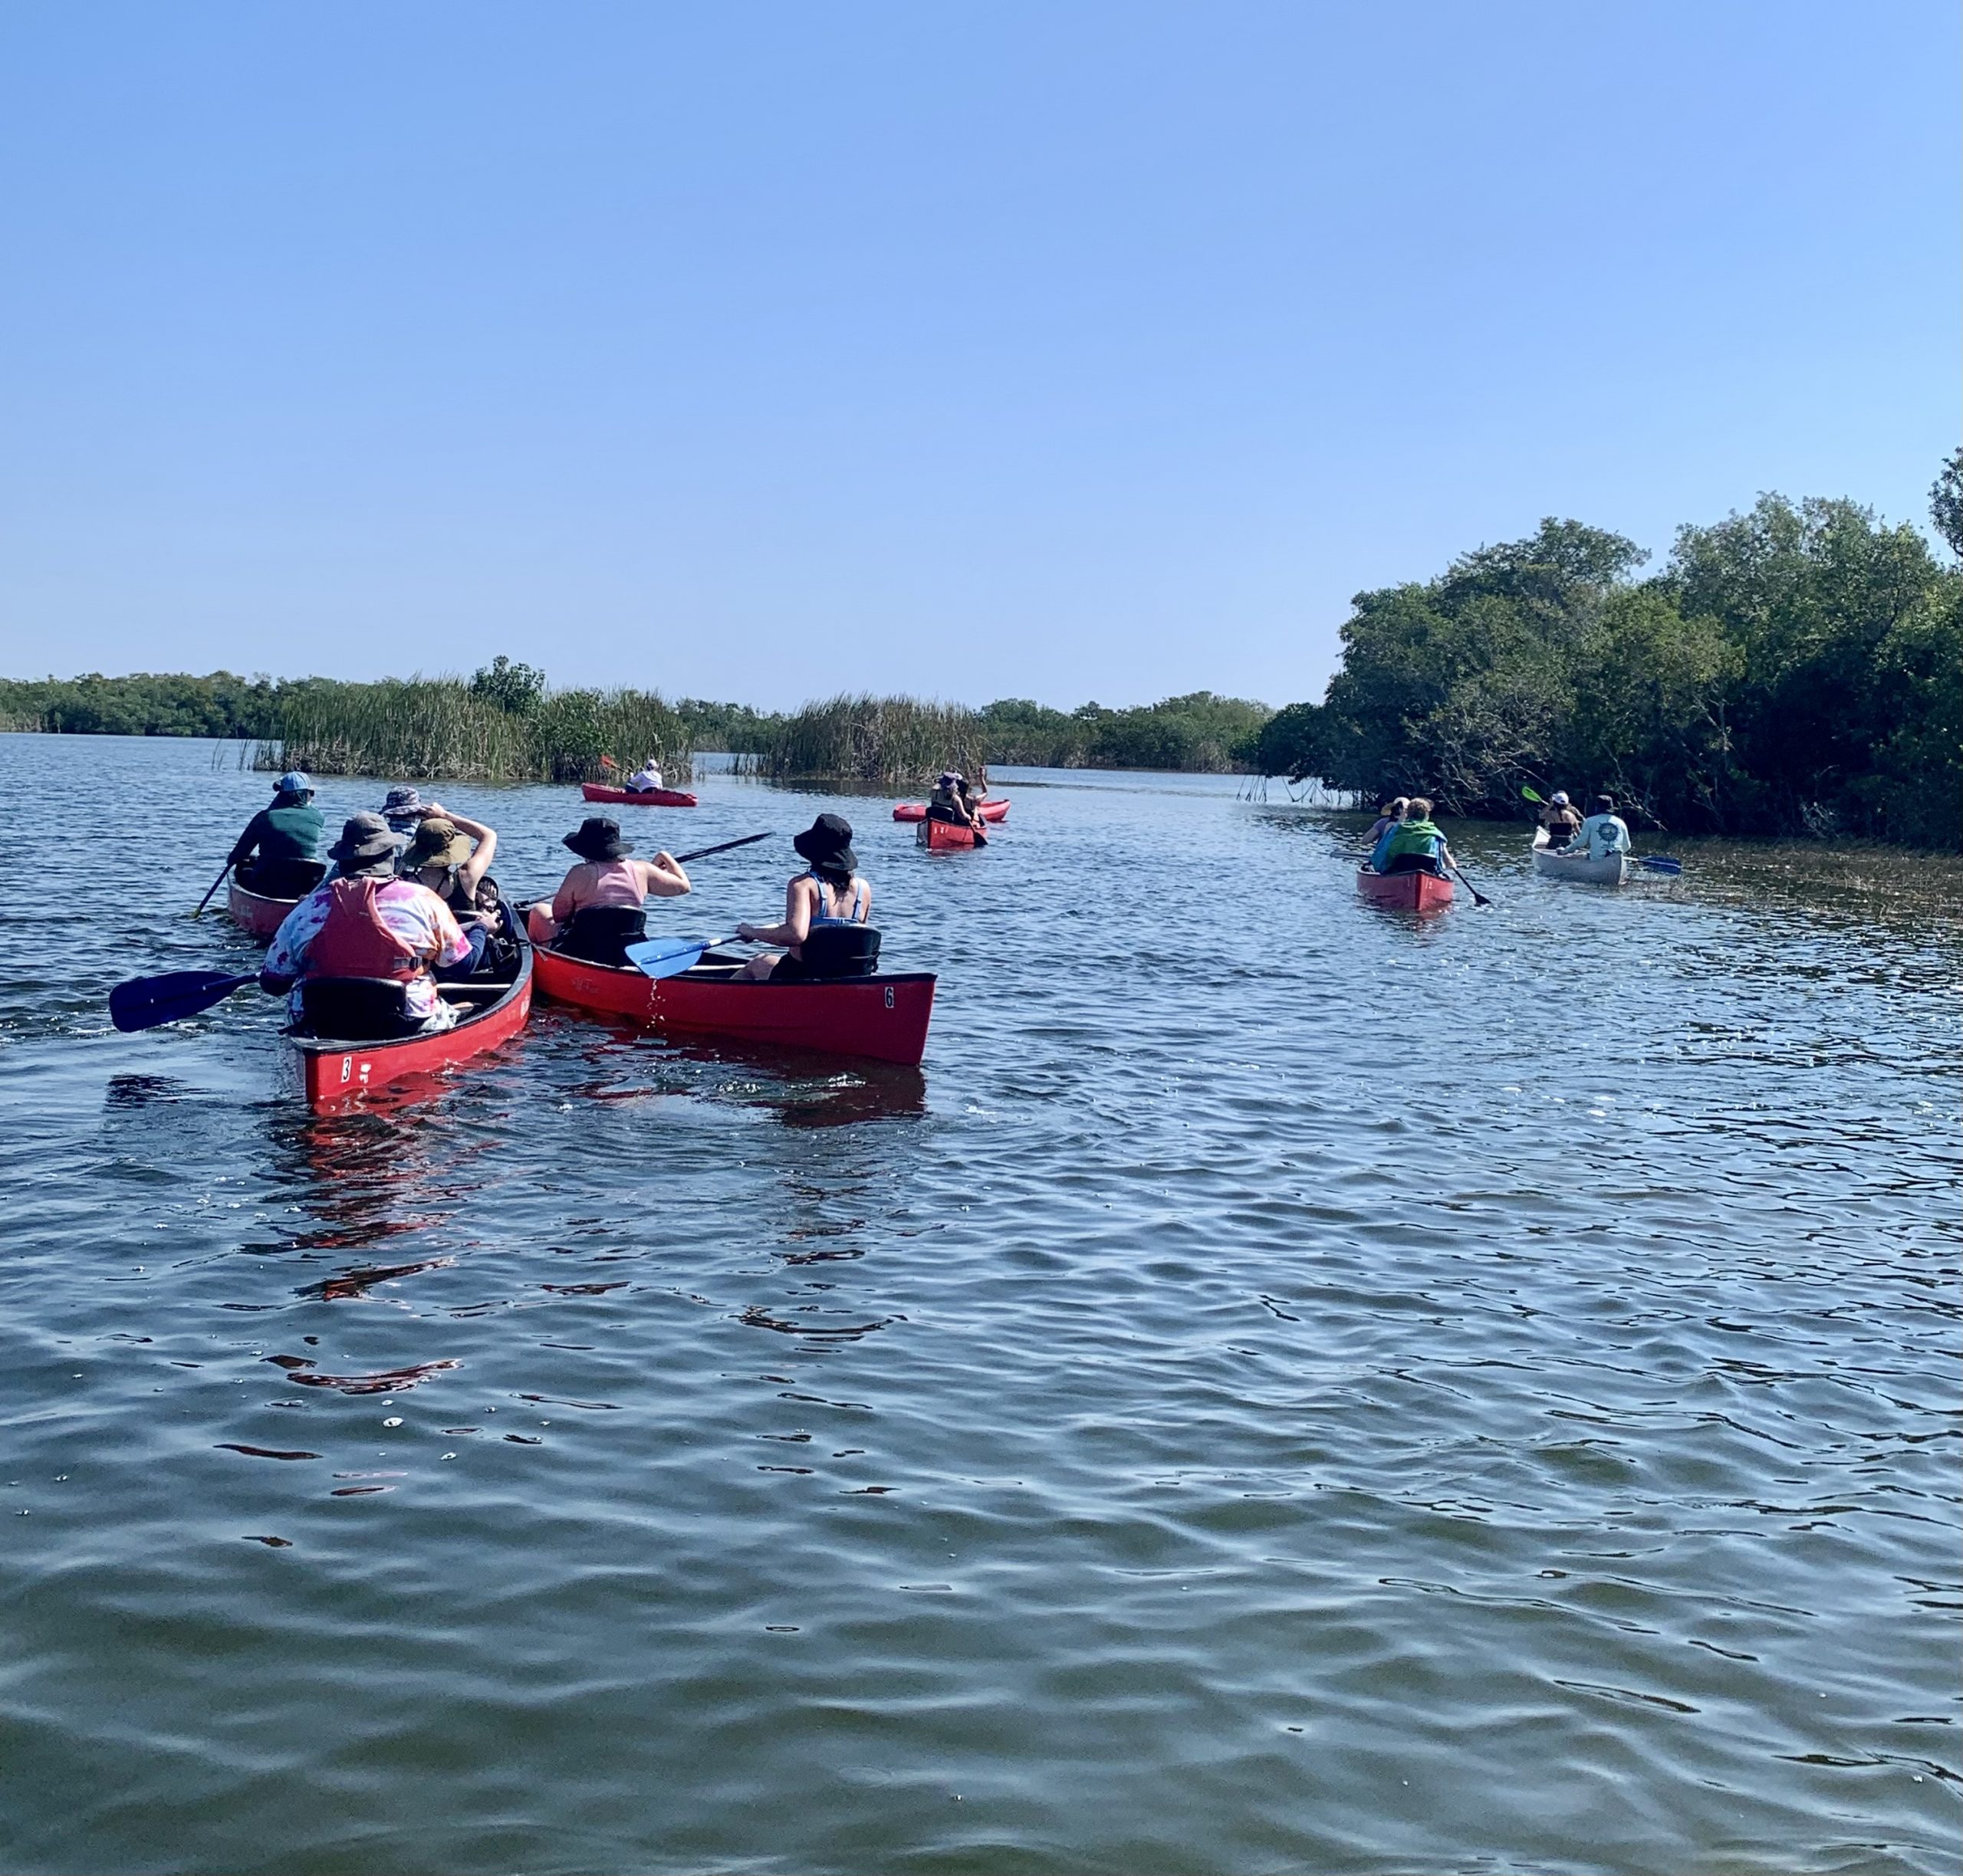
(663, 877)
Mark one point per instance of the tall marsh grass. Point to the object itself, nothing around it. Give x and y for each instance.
(439, 729)
(896, 741)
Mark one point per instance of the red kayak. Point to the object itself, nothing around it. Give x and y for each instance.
(339, 1073)
(883, 1016)
(645, 798)
(1405, 892)
(260, 913)
(917, 810)
(947, 836)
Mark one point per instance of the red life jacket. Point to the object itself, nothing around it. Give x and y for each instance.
(354, 942)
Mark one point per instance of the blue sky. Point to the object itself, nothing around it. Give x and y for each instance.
(1062, 351)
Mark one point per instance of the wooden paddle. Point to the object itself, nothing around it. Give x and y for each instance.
(144, 1002)
(216, 884)
(1478, 898)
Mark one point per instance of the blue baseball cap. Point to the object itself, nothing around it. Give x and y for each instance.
(294, 783)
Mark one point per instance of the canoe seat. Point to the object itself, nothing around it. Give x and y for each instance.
(355, 1009)
(281, 879)
(601, 934)
(834, 951)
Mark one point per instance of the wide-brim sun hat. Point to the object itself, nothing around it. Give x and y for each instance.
(827, 842)
(950, 778)
(365, 839)
(598, 838)
(438, 843)
(403, 801)
(295, 782)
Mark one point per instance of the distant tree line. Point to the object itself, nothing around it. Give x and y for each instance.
(1796, 669)
(1200, 731)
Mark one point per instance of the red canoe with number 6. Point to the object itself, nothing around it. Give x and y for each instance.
(338, 1073)
(644, 798)
(917, 810)
(1405, 892)
(883, 1016)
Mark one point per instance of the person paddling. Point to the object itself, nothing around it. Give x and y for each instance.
(1605, 832)
(952, 802)
(1561, 818)
(1413, 845)
(646, 779)
(830, 898)
(368, 923)
(280, 839)
(597, 912)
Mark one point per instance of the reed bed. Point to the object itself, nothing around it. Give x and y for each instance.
(897, 742)
(439, 729)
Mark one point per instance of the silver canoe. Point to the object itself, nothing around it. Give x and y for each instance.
(1577, 867)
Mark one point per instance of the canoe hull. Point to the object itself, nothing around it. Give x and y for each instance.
(883, 1017)
(1405, 892)
(1577, 870)
(334, 1075)
(916, 811)
(626, 798)
(254, 912)
(945, 836)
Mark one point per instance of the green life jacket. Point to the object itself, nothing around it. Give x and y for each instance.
(292, 833)
(1412, 837)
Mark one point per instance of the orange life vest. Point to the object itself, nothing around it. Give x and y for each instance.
(355, 942)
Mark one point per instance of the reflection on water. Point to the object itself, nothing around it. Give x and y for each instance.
(1285, 1386)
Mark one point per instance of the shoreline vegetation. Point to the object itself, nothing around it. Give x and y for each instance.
(1796, 671)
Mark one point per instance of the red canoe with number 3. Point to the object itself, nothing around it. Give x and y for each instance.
(883, 1016)
(643, 798)
(1405, 892)
(917, 810)
(337, 1073)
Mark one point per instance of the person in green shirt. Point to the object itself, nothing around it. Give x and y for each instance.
(1413, 845)
(277, 851)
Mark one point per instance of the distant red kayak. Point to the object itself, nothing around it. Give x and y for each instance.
(1408, 892)
(646, 798)
(917, 810)
(946, 836)
(883, 1016)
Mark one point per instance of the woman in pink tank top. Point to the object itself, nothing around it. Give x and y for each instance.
(607, 875)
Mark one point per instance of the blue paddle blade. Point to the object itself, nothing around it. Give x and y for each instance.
(667, 956)
(145, 1002)
(1661, 863)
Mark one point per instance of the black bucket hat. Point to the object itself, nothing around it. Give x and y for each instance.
(827, 842)
(366, 840)
(598, 838)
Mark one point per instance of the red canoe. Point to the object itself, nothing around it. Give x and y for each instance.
(917, 810)
(883, 1016)
(946, 836)
(257, 913)
(1405, 892)
(339, 1073)
(647, 798)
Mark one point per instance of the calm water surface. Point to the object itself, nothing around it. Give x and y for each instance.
(1284, 1388)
